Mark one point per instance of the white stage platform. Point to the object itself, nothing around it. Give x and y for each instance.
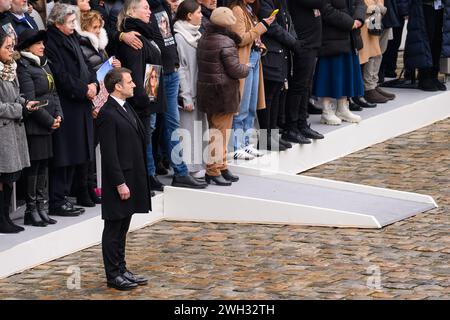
(411, 110)
(269, 190)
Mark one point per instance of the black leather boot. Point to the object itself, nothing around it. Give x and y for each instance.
(227, 175)
(42, 209)
(5, 226)
(32, 217)
(42, 199)
(219, 180)
(4, 207)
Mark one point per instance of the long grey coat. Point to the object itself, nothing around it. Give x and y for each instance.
(13, 140)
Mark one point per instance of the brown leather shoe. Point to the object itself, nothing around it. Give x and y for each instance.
(373, 96)
(388, 95)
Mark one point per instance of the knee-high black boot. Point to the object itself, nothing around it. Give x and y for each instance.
(32, 216)
(6, 224)
(42, 195)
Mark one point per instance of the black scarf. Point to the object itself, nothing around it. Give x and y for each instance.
(133, 24)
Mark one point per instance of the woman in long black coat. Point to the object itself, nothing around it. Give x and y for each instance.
(37, 83)
(134, 18)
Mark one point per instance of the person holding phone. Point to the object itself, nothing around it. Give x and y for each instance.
(37, 83)
(14, 154)
(280, 40)
(251, 48)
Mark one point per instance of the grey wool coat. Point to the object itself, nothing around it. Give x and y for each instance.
(13, 139)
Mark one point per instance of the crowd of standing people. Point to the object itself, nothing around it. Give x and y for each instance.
(205, 74)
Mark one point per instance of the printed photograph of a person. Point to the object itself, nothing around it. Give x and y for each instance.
(151, 82)
(163, 24)
(9, 30)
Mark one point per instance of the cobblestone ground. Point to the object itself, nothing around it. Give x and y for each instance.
(230, 261)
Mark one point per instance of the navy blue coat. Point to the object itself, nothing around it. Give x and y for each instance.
(446, 31)
(417, 47)
(20, 26)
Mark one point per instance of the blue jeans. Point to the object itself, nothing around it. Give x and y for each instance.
(243, 122)
(151, 168)
(171, 122)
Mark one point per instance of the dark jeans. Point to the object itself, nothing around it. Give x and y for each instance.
(268, 117)
(113, 246)
(60, 183)
(433, 23)
(390, 56)
(300, 89)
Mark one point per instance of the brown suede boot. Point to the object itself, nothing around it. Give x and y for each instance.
(373, 96)
(388, 95)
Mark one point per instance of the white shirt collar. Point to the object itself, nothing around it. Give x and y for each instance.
(119, 101)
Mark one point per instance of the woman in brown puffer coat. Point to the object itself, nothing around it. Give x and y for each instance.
(219, 71)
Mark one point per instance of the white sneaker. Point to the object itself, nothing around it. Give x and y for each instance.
(343, 112)
(329, 117)
(198, 174)
(253, 151)
(242, 155)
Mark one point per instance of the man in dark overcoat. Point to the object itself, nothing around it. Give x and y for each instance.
(125, 185)
(77, 85)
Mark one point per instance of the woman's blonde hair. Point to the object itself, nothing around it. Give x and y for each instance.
(88, 18)
(126, 11)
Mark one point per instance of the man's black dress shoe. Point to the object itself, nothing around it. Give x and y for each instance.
(188, 182)
(219, 180)
(121, 283)
(227, 175)
(72, 206)
(295, 136)
(360, 101)
(155, 184)
(287, 144)
(353, 106)
(140, 280)
(307, 132)
(64, 211)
